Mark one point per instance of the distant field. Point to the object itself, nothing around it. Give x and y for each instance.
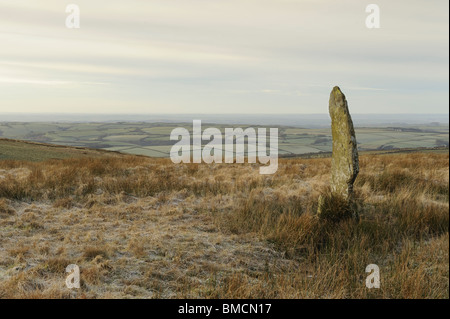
(152, 139)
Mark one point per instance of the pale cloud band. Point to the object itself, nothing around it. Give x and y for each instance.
(199, 56)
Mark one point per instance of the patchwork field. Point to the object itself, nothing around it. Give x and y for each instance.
(152, 139)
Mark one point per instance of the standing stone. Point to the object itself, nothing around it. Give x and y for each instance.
(344, 162)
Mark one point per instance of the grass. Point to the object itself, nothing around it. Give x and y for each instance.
(146, 228)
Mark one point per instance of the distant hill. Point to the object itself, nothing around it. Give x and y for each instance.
(153, 139)
(36, 152)
(19, 150)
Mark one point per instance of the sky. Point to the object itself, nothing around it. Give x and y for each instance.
(223, 56)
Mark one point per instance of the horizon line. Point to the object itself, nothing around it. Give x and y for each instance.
(158, 113)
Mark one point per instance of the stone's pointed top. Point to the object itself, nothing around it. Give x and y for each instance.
(337, 89)
(338, 97)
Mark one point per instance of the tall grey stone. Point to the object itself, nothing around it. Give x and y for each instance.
(344, 162)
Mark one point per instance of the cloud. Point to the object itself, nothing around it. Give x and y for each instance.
(44, 82)
(214, 56)
(29, 81)
(366, 89)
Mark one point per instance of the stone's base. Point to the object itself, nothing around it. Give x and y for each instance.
(332, 207)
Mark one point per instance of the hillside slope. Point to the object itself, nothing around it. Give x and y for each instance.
(35, 152)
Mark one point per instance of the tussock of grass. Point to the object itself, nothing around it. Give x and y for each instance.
(5, 208)
(92, 252)
(335, 208)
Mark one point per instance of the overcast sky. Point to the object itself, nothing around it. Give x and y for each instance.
(223, 56)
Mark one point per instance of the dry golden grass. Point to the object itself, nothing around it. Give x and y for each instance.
(147, 228)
